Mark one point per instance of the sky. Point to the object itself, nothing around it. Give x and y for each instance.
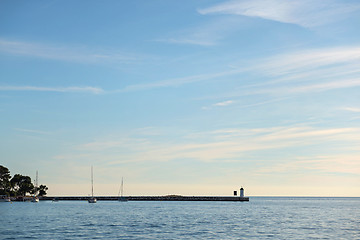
(191, 97)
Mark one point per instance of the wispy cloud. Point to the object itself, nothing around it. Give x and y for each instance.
(310, 88)
(341, 83)
(207, 34)
(219, 104)
(31, 131)
(93, 90)
(225, 103)
(81, 54)
(344, 164)
(352, 109)
(299, 133)
(188, 40)
(312, 70)
(312, 59)
(308, 70)
(219, 145)
(306, 13)
(176, 82)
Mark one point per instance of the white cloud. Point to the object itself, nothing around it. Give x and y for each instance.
(306, 13)
(303, 132)
(207, 34)
(219, 145)
(338, 68)
(341, 83)
(225, 103)
(80, 54)
(175, 82)
(345, 164)
(188, 40)
(309, 88)
(219, 104)
(352, 109)
(30, 131)
(312, 70)
(93, 90)
(312, 59)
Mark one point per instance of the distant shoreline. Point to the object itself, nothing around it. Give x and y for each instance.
(149, 198)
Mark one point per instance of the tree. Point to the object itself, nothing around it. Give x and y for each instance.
(5, 186)
(18, 185)
(21, 184)
(42, 190)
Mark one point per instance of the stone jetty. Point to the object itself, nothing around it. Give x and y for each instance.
(150, 198)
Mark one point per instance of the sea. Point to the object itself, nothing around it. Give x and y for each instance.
(260, 218)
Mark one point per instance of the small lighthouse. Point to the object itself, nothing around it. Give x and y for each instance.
(242, 192)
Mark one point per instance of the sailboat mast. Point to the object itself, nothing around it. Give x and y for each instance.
(92, 182)
(36, 183)
(92, 199)
(122, 186)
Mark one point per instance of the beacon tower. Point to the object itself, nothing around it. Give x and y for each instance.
(242, 192)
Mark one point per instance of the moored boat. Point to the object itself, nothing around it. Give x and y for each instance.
(121, 192)
(92, 199)
(35, 197)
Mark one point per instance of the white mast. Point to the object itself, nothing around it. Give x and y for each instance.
(36, 183)
(92, 183)
(122, 186)
(121, 190)
(92, 199)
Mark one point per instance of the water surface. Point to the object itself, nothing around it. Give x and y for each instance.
(261, 218)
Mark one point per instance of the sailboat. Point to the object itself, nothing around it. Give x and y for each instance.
(121, 191)
(35, 197)
(92, 199)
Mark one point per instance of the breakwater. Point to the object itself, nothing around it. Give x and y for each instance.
(149, 198)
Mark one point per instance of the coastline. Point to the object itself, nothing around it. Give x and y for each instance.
(150, 198)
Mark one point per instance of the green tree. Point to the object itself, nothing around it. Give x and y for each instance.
(42, 190)
(21, 184)
(5, 186)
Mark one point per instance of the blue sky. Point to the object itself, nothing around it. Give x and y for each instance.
(182, 97)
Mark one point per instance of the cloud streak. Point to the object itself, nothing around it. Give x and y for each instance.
(220, 145)
(219, 104)
(312, 70)
(225, 103)
(206, 35)
(79, 54)
(304, 13)
(31, 131)
(92, 90)
(312, 59)
(176, 82)
(352, 109)
(308, 70)
(344, 164)
(189, 40)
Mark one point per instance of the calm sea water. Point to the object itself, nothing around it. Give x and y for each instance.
(261, 218)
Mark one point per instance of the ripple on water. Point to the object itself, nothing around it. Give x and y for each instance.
(261, 218)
